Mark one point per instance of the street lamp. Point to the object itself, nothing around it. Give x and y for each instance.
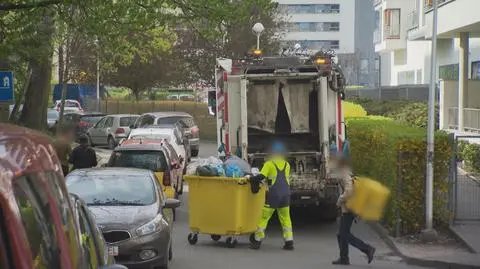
(98, 74)
(258, 29)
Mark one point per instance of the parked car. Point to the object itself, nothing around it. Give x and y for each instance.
(52, 118)
(82, 121)
(70, 105)
(132, 212)
(160, 132)
(186, 120)
(37, 224)
(151, 155)
(95, 249)
(111, 129)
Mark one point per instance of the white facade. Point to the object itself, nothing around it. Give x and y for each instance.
(320, 23)
(405, 58)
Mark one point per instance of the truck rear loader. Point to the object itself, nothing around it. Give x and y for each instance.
(294, 99)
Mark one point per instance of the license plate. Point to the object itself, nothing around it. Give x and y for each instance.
(113, 250)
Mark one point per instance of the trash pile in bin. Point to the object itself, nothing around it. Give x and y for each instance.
(233, 167)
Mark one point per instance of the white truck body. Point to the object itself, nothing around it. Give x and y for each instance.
(299, 108)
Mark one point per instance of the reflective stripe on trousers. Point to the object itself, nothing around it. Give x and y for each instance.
(284, 218)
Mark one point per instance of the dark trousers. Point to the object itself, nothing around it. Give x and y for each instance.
(346, 238)
(65, 170)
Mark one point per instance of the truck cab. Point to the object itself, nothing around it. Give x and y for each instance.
(294, 99)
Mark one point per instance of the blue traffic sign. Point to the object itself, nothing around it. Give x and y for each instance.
(6, 86)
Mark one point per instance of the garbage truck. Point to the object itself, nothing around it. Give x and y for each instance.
(296, 99)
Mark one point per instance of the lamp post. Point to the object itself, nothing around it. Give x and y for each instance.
(429, 232)
(98, 75)
(258, 29)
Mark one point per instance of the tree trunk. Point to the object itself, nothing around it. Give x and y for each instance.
(61, 64)
(136, 92)
(34, 113)
(21, 97)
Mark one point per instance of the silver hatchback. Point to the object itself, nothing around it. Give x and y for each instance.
(111, 129)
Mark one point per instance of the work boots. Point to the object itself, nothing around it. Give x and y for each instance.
(341, 261)
(288, 245)
(254, 244)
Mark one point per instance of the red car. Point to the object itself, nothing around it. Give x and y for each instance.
(37, 227)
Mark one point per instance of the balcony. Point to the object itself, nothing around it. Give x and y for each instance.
(377, 2)
(412, 20)
(428, 4)
(377, 36)
(391, 32)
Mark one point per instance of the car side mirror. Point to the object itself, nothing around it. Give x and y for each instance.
(172, 203)
(114, 266)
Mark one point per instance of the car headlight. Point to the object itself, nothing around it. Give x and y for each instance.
(155, 225)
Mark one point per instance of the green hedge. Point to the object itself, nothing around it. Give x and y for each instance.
(395, 155)
(470, 154)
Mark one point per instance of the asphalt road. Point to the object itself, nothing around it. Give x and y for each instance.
(315, 244)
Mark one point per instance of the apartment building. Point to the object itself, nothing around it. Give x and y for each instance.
(403, 30)
(402, 37)
(331, 24)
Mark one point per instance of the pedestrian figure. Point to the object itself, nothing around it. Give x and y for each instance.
(63, 148)
(83, 156)
(276, 172)
(344, 236)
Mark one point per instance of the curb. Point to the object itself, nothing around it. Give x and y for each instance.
(383, 233)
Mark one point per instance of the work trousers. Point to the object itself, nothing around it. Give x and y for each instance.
(346, 238)
(284, 218)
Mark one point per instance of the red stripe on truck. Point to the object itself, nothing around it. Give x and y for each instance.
(339, 109)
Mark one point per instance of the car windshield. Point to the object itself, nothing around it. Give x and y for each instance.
(186, 122)
(68, 104)
(92, 119)
(151, 160)
(52, 115)
(127, 121)
(114, 189)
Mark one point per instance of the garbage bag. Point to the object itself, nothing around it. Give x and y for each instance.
(210, 161)
(220, 170)
(233, 170)
(238, 162)
(206, 171)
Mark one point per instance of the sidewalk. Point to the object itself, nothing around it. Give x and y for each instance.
(469, 233)
(451, 256)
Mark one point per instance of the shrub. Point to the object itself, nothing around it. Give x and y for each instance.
(415, 115)
(353, 110)
(394, 154)
(382, 107)
(470, 154)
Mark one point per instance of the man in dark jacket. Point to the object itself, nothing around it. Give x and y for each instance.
(83, 156)
(63, 148)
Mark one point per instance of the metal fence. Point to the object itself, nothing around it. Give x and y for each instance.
(405, 92)
(466, 189)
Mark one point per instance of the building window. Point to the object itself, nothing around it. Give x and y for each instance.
(391, 24)
(377, 34)
(314, 27)
(448, 72)
(476, 70)
(406, 77)
(311, 9)
(316, 44)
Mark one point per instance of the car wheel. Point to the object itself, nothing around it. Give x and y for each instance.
(111, 143)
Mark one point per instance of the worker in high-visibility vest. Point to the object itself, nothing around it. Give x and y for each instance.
(276, 172)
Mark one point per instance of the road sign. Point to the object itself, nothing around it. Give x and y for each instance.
(6, 86)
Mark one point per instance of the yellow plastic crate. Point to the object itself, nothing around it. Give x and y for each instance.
(369, 199)
(223, 206)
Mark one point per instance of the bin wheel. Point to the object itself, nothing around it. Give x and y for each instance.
(192, 239)
(215, 237)
(252, 239)
(231, 242)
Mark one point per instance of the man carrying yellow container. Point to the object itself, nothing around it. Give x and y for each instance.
(276, 172)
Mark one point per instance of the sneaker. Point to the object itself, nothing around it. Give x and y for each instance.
(371, 254)
(341, 261)
(288, 245)
(255, 244)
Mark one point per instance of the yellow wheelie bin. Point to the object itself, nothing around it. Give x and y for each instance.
(369, 199)
(222, 206)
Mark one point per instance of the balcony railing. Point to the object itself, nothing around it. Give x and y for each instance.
(377, 2)
(471, 119)
(412, 20)
(391, 32)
